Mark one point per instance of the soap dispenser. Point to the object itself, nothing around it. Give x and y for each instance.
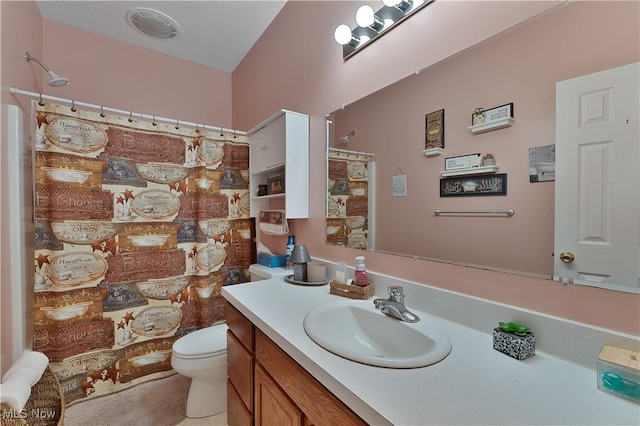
(361, 273)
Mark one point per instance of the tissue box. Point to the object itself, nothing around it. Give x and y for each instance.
(619, 372)
(518, 347)
(272, 260)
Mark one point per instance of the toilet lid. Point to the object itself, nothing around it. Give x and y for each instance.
(206, 341)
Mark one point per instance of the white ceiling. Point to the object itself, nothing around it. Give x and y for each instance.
(217, 34)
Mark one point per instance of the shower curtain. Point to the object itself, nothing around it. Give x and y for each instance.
(348, 199)
(138, 226)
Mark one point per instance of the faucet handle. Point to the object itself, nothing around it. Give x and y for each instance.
(396, 293)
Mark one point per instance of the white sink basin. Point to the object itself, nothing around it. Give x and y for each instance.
(357, 331)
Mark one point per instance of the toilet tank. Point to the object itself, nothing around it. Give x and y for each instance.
(260, 272)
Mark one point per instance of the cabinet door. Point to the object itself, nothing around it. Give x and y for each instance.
(237, 413)
(274, 154)
(273, 407)
(258, 147)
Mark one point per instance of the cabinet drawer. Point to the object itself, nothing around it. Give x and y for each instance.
(319, 405)
(240, 326)
(237, 413)
(240, 369)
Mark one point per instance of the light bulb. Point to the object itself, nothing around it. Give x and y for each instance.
(365, 16)
(342, 34)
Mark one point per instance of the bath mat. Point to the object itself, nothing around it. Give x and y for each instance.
(161, 402)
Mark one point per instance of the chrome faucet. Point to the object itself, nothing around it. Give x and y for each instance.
(394, 305)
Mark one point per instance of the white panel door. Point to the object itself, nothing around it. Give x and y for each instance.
(597, 200)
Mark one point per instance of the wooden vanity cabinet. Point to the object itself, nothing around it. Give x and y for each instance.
(240, 362)
(283, 393)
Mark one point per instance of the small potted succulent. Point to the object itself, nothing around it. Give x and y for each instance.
(488, 159)
(478, 116)
(514, 339)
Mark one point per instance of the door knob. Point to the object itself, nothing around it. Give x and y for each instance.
(567, 256)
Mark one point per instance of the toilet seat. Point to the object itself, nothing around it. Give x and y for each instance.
(205, 342)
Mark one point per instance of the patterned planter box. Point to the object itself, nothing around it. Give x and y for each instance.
(518, 347)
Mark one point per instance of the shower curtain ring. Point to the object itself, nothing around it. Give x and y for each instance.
(221, 131)
(234, 133)
(73, 106)
(130, 115)
(101, 111)
(41, 103)
(154, 121)
(197, 130)
(177, 124)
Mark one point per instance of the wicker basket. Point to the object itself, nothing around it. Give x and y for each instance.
(351, 291)
(45, 406)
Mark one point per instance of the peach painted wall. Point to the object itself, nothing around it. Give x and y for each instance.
(108, 72)
(21, 31)
(297, 65)
(521, 66)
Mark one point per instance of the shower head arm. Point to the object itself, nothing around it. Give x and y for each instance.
(37, 61)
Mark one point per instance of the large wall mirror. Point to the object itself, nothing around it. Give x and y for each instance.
(383, 136)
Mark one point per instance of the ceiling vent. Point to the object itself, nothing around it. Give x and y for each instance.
(152, 23)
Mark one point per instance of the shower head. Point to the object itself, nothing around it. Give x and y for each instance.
(56, 80)
(345, 139)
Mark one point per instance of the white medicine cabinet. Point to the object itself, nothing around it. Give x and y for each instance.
(279, 164)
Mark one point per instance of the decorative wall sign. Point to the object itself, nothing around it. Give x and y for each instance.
(498, 113)
(542, 163)
(495, 184)
(462, 161)
(434, 129)
(399, 187)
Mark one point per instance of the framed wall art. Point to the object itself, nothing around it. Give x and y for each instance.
(434, 130)
(495, 184)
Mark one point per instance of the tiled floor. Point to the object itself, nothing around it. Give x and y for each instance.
(217, 420)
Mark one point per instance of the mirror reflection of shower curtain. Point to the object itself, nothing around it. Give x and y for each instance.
(138, 227)
(349, 190)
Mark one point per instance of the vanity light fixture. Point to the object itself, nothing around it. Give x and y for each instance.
(371, 25)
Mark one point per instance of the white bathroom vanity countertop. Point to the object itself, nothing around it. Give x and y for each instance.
(475, 384)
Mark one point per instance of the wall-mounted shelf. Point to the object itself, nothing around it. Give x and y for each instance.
(492, 125)
(470, 171)
(268, 197)
(432, 152)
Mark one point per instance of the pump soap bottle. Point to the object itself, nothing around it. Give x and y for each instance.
(361, 273)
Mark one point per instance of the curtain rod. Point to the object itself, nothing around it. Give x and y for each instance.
(131, 114)
(346, 151)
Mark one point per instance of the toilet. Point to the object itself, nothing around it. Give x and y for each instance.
(202, 355)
